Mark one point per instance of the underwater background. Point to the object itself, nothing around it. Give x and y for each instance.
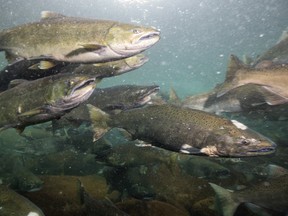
(197, 39)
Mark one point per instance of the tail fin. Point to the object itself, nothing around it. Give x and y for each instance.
(224, 201)
(99, 121)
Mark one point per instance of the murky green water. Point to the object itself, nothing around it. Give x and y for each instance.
(52, 167)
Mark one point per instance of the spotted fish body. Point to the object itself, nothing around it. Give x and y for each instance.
(189, 131)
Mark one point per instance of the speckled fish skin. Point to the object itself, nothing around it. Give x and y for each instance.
(185, 130)
(41, 100)
(78, 40)
(13, 203)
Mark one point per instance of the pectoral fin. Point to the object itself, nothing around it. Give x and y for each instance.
(42, 65)
(84, 49)
(31, 113)
(99, 121)
(188, 149)
(271, 97)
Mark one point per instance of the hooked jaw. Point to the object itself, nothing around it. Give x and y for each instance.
(244, 146)
(146, 98)
(136, 61)
(130, 44)
(82, 91)
(149, 38)
(145, 41)
(78, 94)
(252, 149)
(263, 149)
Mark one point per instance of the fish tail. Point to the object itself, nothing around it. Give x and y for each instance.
(226, 87)
(224, 201)
(99, 121)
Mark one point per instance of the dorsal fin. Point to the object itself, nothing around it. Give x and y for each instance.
(51, 14)
(234, 65)
(173, 97)
(284, 36)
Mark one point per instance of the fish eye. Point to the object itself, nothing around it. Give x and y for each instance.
(245, 142)
(69, 83)
(116, 68)
(136, 31)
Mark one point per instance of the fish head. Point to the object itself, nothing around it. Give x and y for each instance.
(128, 64)
(133, 97)
(240, 141)
(69, 91)
(128, 39)
(143, 95)
(136, 61)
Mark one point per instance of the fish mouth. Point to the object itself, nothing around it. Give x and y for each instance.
(132, 64)
(259, 151)
(148, 39)
(137, 44)
(147, 97)
(141, 61)
(79, 93)
(150, 36)
(263, 151)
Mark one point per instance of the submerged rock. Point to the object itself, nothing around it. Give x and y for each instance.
(60, 195)
(150, 208)
(161, 183)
